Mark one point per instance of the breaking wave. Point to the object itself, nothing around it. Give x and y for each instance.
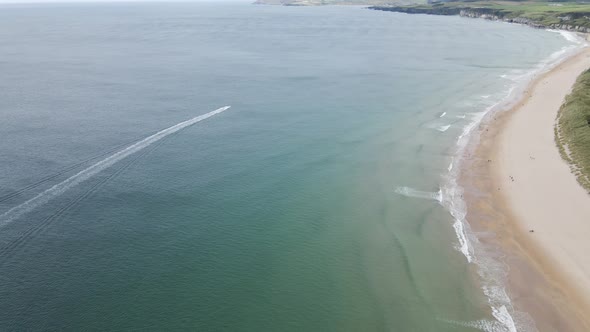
(409, 192)
(442, 129)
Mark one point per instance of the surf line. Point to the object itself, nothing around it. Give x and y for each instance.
(85, 174)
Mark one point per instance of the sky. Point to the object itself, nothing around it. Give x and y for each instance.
(48, 1)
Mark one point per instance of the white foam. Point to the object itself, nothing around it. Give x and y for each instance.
(442, 129)
(87, 173)
(569, 36)
(443, 114)
(439, 127)
(410, 192)
(482, 325)
(504, 317)
(463, 243)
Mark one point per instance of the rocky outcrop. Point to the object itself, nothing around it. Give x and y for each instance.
(497, 15)
(429, 10)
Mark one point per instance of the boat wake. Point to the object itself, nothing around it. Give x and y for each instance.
(58, 189)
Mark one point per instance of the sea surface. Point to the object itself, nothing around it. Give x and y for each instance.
(324, 199)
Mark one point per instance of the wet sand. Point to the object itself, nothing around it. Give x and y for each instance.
(523, 200)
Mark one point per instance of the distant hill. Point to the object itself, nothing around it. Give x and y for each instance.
(338, 2)
(398, 2)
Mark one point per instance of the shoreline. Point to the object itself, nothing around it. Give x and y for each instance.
(505, 179)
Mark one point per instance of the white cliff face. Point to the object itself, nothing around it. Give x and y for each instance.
(565, 22)
(474, 13)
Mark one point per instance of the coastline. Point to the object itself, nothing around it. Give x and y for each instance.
(547, 18)
(506, 179)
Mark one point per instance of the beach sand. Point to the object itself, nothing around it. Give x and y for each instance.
(524, 201)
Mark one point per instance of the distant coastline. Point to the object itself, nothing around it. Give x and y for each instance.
(331, 2)
(538, 15)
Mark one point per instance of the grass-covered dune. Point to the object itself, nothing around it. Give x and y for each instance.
(566, 15)
(572, 132)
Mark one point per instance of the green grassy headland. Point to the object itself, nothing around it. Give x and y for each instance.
(558, 15)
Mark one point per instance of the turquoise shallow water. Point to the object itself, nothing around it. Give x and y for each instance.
(278, 214)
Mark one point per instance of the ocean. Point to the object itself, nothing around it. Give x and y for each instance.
(323, 199)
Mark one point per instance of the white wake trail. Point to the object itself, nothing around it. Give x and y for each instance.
(87, 173)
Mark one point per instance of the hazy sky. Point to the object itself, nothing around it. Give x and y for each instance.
(38, 1)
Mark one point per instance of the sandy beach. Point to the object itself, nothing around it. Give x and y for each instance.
(524, 193)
